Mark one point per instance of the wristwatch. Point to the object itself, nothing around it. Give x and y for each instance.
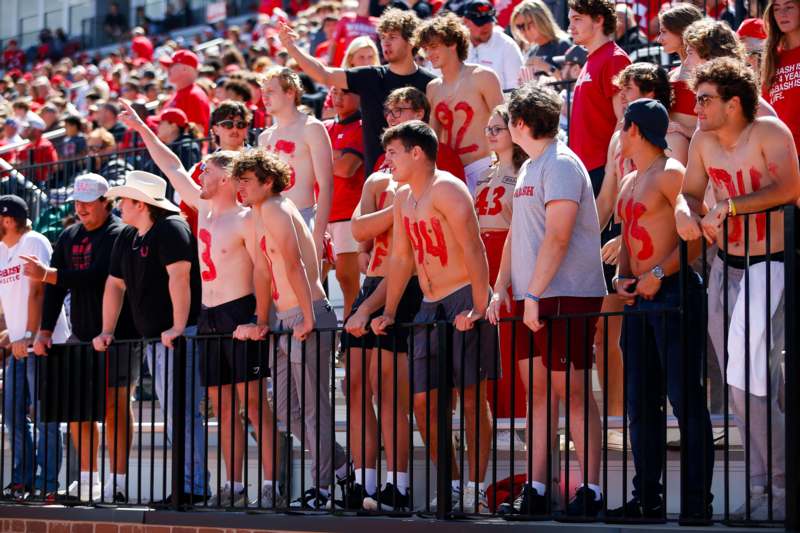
(658, 272)
(28, 336)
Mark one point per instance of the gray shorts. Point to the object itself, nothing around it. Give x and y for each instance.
(317, 341)
(473, 351)
(308, 215)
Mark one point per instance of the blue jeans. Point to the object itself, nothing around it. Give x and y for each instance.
(652, 357)
(19, 394)
(194, 474)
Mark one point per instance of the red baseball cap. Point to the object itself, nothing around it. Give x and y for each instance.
(182, 57)
(753, 28)
(175, 116)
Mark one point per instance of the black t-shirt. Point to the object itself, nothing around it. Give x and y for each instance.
(82, 258)
(373, 85)
(141, 263)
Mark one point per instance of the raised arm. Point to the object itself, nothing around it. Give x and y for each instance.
(169, 163)
(320, 73)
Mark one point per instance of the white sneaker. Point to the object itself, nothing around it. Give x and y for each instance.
(778, 507)
(268, 494)
(455, 497)
(758, 506)
(469, 500)
(88, 492)
(226, 498)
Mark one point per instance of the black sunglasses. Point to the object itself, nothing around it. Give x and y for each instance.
(228, 124)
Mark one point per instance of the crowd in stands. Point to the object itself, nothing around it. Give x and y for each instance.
(449, 161)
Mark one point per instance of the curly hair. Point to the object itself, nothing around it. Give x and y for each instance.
(538, 107)
(597, 8)
(266, 167)
(396, 20)
(649, 78)
(712, 38)
(287, 79)
(679, 17)
(413, 97)
(732, 78)
(447, 30)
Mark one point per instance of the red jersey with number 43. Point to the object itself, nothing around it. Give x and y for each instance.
(494, 195)
(783, 94)
(592, 120)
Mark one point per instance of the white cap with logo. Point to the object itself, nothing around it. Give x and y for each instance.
(89, 187)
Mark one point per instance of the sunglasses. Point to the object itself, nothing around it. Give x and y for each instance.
(704, 99)
(228, 124)
(522, 26)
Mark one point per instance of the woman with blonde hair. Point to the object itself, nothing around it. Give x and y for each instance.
(533, 24)
(361, 52)
(781, 61)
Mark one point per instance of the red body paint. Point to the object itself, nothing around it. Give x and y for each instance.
(723, 179)
(263, 245)
(446, 118)
(630, 214)
(205, 256)
(421, 240)
(482, 204)
(288, 148)
(381, 248)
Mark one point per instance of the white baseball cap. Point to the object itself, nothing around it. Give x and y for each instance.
(35, 121)
(89, 187)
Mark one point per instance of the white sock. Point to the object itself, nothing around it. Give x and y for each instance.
(456, 484)
(85, 478)
(120, 479)
(482, 486)
(539, 486)
(268, 483)
(402, 482)
(324, 492)
(238, 487)
(595, 488)
(389, 479)
(371, 480)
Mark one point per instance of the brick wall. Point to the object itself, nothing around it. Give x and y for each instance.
(53, 526)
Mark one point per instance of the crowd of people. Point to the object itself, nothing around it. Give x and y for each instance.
(447, 169)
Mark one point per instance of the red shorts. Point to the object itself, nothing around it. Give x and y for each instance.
(581, 332)
(494, 241)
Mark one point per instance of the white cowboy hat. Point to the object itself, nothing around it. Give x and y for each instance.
(144, 187)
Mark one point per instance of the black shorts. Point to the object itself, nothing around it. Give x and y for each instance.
(223, 360)
(474, 357)
(124, 364)
(396, 338)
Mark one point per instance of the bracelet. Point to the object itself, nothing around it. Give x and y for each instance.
(731, 207)
(533, 297)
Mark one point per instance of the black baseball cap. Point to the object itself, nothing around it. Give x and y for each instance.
(651, 118)
(13, 206)
(479, 11)
(575, 54)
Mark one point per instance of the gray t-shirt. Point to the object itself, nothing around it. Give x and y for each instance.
(557, 174)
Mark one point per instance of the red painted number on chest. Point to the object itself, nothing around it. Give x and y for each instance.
(263, 245)
(722, 179)
(381, 248)
(288, 148)
(630, 214)
(446, 118)
(482, 204)
(422, 242)
(205, 256)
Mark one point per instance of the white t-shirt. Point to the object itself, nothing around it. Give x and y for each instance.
(15, 287)
(501, 54)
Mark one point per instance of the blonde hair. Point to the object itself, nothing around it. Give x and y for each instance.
(287, 79)
(105, 136)
(541, 16)
(359, 43)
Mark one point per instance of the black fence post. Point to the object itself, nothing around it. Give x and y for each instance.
(178, 419)
(444, 421)
(684, 366)
(791, 299)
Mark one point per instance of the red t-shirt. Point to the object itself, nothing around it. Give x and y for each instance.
(142, 47)
(348, 137)
(784, 93)
(348, 28)
(13, 59)
(592, 120)
(684, 98)
(43, 152)
(446, 159)
(193, 101)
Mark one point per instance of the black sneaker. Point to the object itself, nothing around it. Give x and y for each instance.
(584, 503)
(16, 491)
(529, 502)
(697, 515)
(313, 498)
(633, 510)
(352, 497)
(389, 499)
(186, 499)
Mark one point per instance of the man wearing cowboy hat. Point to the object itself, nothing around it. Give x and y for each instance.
(154, 263)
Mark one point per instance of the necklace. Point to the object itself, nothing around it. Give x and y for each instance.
(643, 172)
(460, 78)
(424, 192)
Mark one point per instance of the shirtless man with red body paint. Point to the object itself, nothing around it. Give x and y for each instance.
(461, 100)
(435, 229)
(302, 141)
(648, 281)
(752, 164)
(227, 251)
